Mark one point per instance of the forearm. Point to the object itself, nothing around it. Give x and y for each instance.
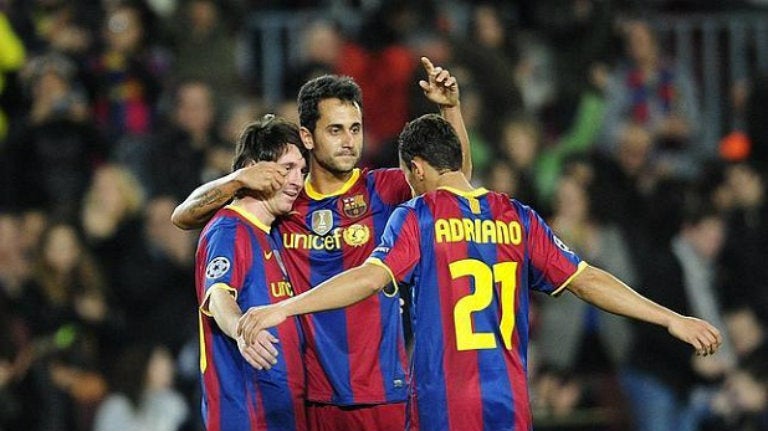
(200, 206)
(225, 311)
(345, 289)
(608, 293)
(452, 115)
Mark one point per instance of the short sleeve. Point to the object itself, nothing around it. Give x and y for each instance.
(399, 249)
(552, 264)
(227, 255)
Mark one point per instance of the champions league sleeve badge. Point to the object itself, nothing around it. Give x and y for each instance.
(217, 267)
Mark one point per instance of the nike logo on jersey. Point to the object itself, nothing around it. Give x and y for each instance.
(267, 255)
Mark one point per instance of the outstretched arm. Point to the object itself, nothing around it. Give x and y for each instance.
(605, 291)
(442, 88)
(345, 289)
(199, 207)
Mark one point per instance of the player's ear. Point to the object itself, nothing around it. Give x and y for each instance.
(417, 167)
(306, 138)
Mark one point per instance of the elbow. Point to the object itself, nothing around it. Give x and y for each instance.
(178, 219)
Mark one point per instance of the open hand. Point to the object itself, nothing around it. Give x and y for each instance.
(704, 337)
(440, 87)
(261, 354)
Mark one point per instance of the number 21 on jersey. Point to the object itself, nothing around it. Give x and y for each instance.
(485, 277)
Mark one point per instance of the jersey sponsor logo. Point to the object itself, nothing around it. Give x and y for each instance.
(322, 222)
(357, 235)
(478, 231)
(354, 206)
(217, 267)
(354, 236)
(281, 289)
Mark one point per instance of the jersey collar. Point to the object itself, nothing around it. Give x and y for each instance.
(314, 194)
(470, 194)
(249, 216)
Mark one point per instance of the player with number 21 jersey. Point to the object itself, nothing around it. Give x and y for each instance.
(467, 257)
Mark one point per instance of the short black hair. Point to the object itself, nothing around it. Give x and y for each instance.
(266, 140)
(433, 139)
(324, 87)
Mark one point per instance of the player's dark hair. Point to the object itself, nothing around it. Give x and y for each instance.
(324, 87)
(433, 139)
(266, 140)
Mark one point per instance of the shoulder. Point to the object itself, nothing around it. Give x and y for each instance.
(223, 220)
(383, 174)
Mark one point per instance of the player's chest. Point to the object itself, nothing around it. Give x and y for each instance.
(342, 224)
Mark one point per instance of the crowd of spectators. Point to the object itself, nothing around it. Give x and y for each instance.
(112, 112)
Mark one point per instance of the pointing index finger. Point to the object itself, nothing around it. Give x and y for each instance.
(428, 66)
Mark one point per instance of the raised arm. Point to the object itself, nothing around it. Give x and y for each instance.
(202, 204)
(605, 291)
(344, 289)
(443, 89)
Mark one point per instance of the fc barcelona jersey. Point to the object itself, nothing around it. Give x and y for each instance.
(236, 253)
(354, 355)
(470, 260)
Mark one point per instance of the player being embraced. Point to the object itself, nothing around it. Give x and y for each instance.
(470, 257)
(238, 266)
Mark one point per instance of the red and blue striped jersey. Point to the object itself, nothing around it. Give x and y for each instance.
(470, 260)
(354, 355)
(235, 252)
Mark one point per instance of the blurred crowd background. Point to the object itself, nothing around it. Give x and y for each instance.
(638, 129)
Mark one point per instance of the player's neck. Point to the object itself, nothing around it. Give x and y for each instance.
(455, 180)
(326, 182)
(258, 208)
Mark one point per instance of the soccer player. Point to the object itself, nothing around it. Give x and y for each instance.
(355, 359)
(470, 257)
(238, 267)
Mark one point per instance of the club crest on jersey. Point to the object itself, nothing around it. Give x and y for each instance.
(357, 235)
(322, 222)
(217, 267)
(354, 206)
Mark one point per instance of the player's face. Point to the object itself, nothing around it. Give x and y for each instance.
(282, 201)
(337, 141)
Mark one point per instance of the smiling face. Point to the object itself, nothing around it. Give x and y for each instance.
(282, 201)
(337, 141)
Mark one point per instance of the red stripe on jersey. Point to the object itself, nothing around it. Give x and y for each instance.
(244, 251)
(463, 394)
(364, 330)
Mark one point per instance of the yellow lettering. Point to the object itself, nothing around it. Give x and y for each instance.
(489, 232)
(457, 233)
(469, 230)
(288, 240)
(502, 233)
(442, 231)
(280, 289)
(516, 233)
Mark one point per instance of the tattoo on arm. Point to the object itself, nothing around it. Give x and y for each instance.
(212, 197)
